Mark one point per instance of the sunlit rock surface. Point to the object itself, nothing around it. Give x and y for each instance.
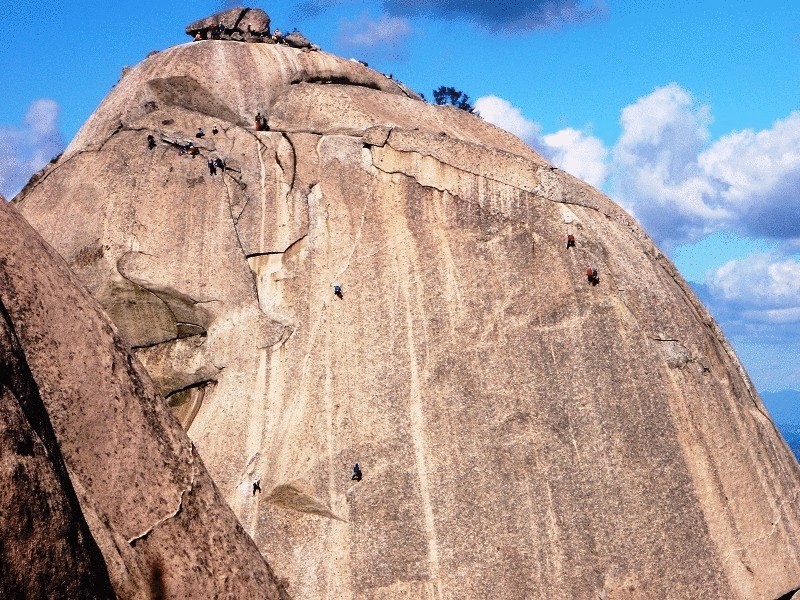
(522, 433)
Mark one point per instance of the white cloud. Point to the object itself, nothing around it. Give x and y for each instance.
(29, 146)
(681, 187)
(367, 33)
(768, 282)
(579, 154)
(505, 115)
(666, 171)
(656, 173)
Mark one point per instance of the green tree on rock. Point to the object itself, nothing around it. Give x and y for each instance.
(450, 95)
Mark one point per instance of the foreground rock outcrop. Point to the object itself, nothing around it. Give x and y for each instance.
(522, 434)
(46, 550)
(157, 517)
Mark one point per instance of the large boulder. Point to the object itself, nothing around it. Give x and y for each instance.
(295, 39)
(522, 433)
(162, 527)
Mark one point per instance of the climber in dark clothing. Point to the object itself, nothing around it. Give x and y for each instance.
(151, 142)
(259, 122)
(337, 290)
(570, 241)
(219, 163)
(256, 486)
(357, 475)
(591, 275)
(212, 168)
(200, 133)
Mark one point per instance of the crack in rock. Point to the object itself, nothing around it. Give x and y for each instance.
(132, 541)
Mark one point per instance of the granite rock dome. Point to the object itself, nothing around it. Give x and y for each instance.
(522, 433)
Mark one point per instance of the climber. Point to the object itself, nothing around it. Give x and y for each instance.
(212, 168)
(259, 122)
(591, 275)
(151, 142)
(337, 290)
(256, 486)
(356, 473)
(214, 129)
(219, 163)
(192, 149)
(200, 133)
(197, 37)
(570, 241)
(277, 36)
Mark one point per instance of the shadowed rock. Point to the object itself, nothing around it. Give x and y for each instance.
(523, 434)
(149, 502)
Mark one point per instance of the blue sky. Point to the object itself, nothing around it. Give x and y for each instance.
(687, 114)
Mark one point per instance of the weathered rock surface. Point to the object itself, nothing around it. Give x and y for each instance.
(46, 550)
(157, 517)
(522, 434)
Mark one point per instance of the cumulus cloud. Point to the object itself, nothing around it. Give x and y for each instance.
(578, 153)
(770, 282)
(656, 169)
(575, 151)
(665, 169)
(29, 146)
(757, 176)
(367, 32)
(757, 302)
(681, 186)
(505, 115)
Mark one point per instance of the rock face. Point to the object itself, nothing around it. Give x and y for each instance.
(522, 434)
(46, 550)
(157, 517)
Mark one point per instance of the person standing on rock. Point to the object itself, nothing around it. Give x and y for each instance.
(256, 486)
(570, 241)
(357, 475)
(212, 168)
(151, 142)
